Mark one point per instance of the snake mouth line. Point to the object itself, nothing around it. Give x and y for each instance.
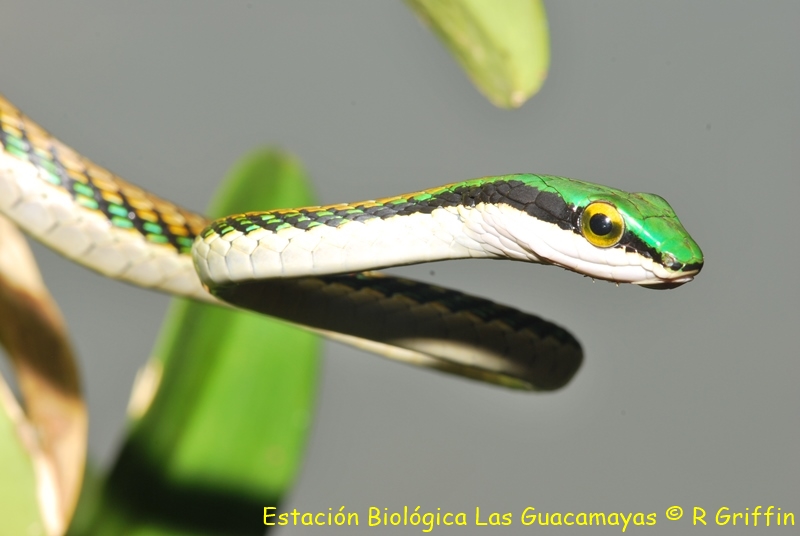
(662, 284)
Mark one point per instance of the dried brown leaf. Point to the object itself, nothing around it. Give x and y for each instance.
(35, 336)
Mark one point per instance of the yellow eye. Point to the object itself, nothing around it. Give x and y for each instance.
(602, 224)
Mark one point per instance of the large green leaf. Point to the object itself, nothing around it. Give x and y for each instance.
(224, 434)
(502, 45)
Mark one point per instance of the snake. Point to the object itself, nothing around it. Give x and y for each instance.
(316, 266)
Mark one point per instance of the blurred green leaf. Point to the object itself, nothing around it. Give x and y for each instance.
(90, 500)
(225, 432)
(502, 45)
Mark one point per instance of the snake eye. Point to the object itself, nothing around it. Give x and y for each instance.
(602, 224)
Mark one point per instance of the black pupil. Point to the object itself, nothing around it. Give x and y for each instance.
(600, 224)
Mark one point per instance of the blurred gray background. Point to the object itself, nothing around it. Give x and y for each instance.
(686, 397)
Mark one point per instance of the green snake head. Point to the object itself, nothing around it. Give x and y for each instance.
(655, 232)
(609, 234)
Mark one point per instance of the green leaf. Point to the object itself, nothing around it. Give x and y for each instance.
(225, 432)
(502, 45)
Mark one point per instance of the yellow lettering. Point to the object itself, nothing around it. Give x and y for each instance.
(720, 518)
(528, 517)
(597, 515)
(625, 519)
(756, 513)
(374, 516)
(699, 515)
(266, 515)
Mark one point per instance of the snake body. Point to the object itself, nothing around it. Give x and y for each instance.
(287, 262)
(534, 218)
(92, 216)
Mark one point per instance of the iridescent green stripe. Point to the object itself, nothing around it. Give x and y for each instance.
(85, 191)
